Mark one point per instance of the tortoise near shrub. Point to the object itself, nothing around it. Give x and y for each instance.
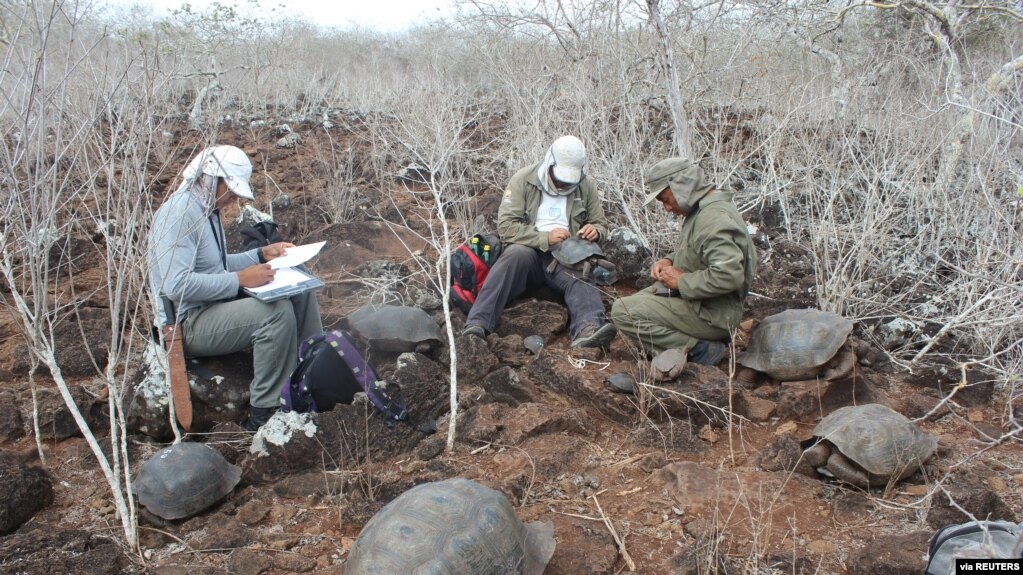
(799, 344)
(868, 445)
(456, 527)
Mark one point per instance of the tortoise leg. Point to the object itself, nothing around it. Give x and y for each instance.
(746, 377)
(817, 454)
(844, 469)
(841, 365)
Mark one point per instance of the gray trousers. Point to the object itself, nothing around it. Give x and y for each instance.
(272, 330)
(521, 268)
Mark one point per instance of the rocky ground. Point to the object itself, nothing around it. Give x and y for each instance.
(698, 475)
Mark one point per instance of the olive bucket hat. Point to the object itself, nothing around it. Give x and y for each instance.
(686, 179)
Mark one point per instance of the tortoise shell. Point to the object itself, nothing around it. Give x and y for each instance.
(574, 250)
(881, 441)
(184, 479)
(392, 328)
(795, 343)
(451, 527)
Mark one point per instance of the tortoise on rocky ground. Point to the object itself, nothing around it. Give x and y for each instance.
(454, 527)
(392, 328)
(184, 479)
(585, 259)
(799, 344)
(868, 445)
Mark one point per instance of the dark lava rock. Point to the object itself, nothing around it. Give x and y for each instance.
(626, 250)
(11, 425)
(813, 397)
(26, 489)
(81, 344)
(981, 502)
(55, 420)
(533, 317)
(699, 395)
(220, 395)
(510, 350)
(891, 555)
(505, 386)
(944, 376)
(785, 454)
(475, 360)
(47, 551)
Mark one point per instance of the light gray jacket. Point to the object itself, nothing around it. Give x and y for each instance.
(187, 255)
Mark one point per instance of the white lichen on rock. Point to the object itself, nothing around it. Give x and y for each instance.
(154, 387)
(280, 429)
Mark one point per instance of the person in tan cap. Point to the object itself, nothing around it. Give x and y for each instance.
(697, 299)
(545, 204)
(195, 281)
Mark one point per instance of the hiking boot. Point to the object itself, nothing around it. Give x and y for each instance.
(258, 416)
(707, 352)
(595, 336)
(475, 330)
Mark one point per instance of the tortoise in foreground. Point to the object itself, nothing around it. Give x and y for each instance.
(184, 479)
(799, 344)
(868, 445)
(392, 328)
(455, 527)
(585, 259)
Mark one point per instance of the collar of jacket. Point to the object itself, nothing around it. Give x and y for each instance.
(532, 180)
(713, 198)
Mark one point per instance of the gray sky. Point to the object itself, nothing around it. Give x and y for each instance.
(381, 15)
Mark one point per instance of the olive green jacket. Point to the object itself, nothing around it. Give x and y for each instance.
(717, 259)
(516, 218)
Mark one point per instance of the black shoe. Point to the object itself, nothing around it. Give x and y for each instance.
(475, 330)
(594, 336)
(258, 416)
(707, 352)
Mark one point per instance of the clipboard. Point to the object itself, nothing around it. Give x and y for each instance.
(287, 282)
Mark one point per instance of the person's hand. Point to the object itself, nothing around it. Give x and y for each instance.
(655, 270)
(669, 276)
(275, 250)
(588, 232)
(255, 276)
(557, 235)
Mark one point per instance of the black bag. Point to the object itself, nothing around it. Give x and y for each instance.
(470, 265)
(331, 371)
(259, 235)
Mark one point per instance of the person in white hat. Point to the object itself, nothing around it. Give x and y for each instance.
(193, 278)
(545, 204)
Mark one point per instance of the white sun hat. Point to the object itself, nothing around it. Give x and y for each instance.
(569, 157)
(226, 162)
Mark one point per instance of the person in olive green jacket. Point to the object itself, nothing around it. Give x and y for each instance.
(697, 300)
(545, 204)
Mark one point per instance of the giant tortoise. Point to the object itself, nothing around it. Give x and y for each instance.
(868, 445)
(585, 259)
(799, 344)
(184, 479)
(392, 328)
(454, 527)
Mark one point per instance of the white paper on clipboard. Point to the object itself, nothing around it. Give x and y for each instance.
(295, 256)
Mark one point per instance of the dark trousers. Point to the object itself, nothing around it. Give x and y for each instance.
(521, 268)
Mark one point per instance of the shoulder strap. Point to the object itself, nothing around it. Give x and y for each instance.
(365, 375)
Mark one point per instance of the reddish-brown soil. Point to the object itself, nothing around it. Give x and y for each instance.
(599, 465)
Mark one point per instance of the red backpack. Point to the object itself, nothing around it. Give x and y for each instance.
(470, 264)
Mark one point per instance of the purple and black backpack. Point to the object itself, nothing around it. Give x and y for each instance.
(331, 371)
